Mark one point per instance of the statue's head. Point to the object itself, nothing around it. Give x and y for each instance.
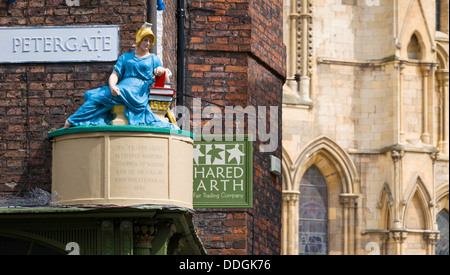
(144, 31)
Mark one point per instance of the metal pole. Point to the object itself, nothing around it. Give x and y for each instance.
(181, 13)
(151, 18)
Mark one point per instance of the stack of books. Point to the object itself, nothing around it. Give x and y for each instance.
(161, 91)
(161, 97)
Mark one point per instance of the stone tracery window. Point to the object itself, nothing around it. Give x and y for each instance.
(442, 244)
(313, 213)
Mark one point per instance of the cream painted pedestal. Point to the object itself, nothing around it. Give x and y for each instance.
(122, 166)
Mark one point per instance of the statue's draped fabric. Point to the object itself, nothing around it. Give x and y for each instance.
(135, 78)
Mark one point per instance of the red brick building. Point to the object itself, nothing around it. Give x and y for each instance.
(234, 56)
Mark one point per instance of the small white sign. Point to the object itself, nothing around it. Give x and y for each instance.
(59, 44)
(71, 3)
(275, 165)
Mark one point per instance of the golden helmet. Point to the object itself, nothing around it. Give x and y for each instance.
(145, 30)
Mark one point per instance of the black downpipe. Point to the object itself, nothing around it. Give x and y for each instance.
(181, 14)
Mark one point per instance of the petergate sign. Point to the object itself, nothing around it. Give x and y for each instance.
(59, 44)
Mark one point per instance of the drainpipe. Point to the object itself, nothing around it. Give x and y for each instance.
(181, 13)
(151, 18)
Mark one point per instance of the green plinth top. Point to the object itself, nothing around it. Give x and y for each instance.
(118, 128)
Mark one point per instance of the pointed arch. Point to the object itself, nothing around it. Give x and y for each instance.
(343, 190)
(417, 198)
(415, 48)
(286, 168)
(384, 204)
(415, 36)
(385, 196)
(416, 16)
(442, 56)
(442, 197)
(332, 160)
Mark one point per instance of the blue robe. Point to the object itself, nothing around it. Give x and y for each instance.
(135, 78)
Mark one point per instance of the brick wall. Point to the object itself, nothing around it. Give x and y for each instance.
(170, 39)
(36, 98)
(236, 58)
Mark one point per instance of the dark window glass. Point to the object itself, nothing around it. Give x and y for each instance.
(442, 243)
(313, 213)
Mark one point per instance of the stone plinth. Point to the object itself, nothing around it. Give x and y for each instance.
(122, 165)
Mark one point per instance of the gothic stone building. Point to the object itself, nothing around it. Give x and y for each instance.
(365, 127)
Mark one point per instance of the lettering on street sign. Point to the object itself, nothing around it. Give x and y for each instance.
(59, 44)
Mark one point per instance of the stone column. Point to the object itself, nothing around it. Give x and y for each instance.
(292, 54)
(397, 157)
(399, 237)
(384, 240)
(446, 116)
(285, 225)
(426, 69)
(290, 222)
(401, 67)
(432, 203)
(305, 82)
(443, 79)
(431, 239)
(350, 205)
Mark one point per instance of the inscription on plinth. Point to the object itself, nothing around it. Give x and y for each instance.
(137, 167)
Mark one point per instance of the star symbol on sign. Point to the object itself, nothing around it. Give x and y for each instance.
(215, 153)
(236, 154)
(197, 153)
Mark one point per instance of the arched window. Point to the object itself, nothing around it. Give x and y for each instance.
(442, 243)
(414, 50)
(313, 213)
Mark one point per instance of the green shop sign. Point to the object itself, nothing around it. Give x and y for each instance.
(223, 174)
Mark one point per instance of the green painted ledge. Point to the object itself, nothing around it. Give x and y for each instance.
(119, 128)
(87, 211)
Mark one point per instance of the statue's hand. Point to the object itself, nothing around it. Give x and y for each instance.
(159, 71)
(115, 91)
